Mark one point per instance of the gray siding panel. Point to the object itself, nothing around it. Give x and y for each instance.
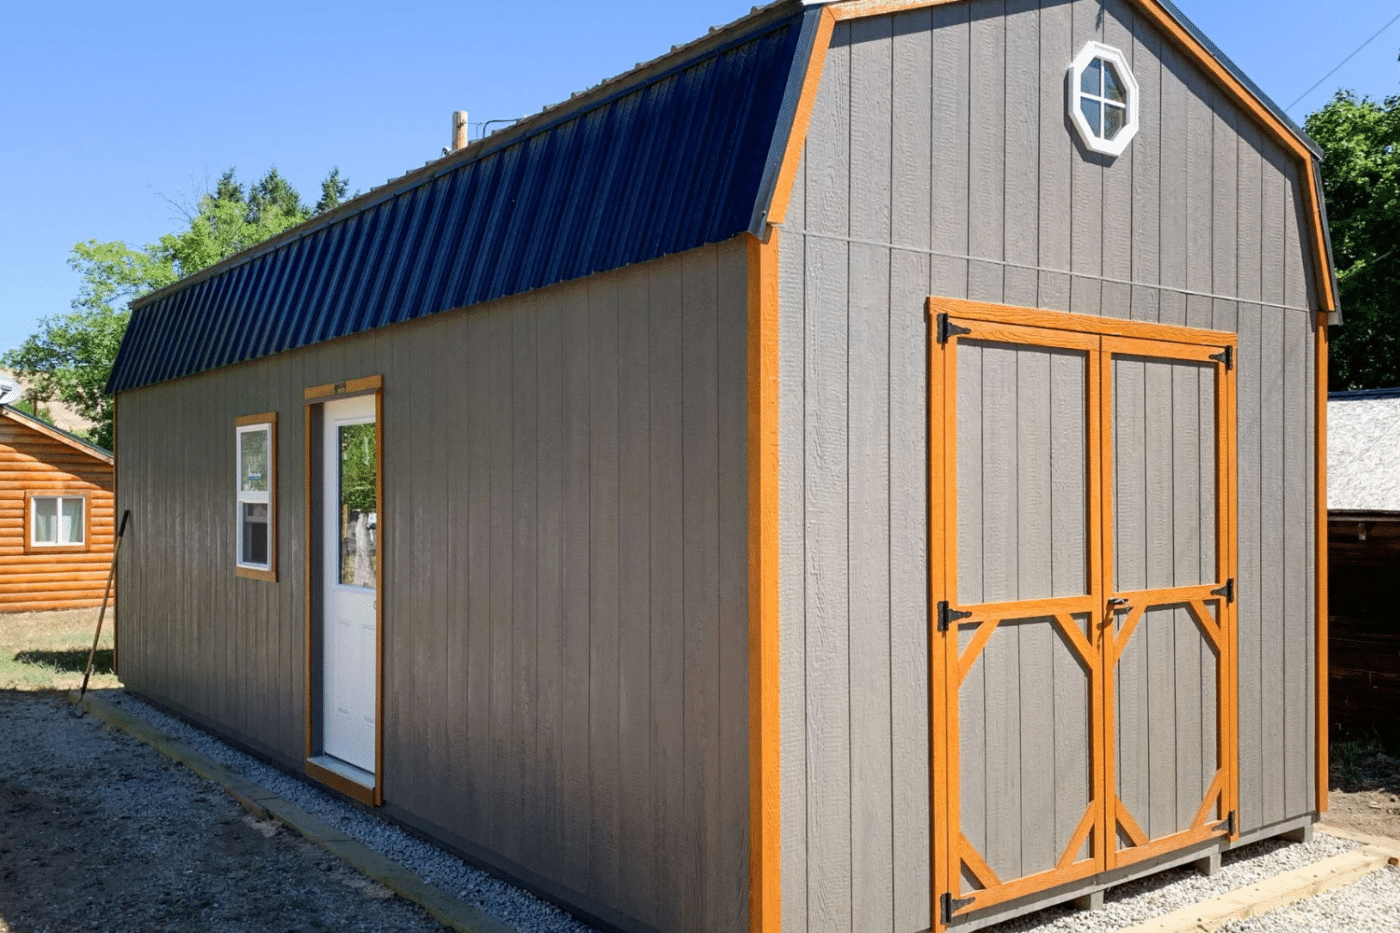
(566, 677)
(908, 597)
(634, 598)
(792, 523)
(727, 897)
(667, 587)
(1272, 589)
(1193, 224)
(872, 867)
(951, 55)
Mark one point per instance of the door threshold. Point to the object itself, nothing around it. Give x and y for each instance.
(355, 783)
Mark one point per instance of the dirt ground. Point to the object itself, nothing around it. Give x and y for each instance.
(1365, 791)
(99, 832)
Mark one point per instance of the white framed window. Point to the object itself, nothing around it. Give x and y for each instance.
(256, 496)
(1103, 99)
(57, 522)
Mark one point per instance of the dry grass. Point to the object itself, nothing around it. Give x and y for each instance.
(49, 650)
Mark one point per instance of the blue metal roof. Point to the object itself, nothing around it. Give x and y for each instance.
(670, 162)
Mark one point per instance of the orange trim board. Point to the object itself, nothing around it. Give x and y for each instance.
(1320, 588)
(1157, 15)
(765, 815)
(348, 387)
(1102, 339)
(314, 396)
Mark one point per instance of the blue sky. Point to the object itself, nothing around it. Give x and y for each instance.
(112, 108)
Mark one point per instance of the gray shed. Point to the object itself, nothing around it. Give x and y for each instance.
(857, 472)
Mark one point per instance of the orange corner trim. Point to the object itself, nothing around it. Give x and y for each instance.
(765, 816)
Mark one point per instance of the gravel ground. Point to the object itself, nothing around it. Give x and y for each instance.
(100, 832)
(1140, 901)
(1370, 905)
(503, 901)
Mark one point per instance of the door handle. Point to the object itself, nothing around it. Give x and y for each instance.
(1118, 602)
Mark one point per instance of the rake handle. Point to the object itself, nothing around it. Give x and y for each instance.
(102, 614)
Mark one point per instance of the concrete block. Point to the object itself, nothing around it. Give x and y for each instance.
(1093, 901)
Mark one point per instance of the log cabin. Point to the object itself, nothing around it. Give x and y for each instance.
(56, 529)
(857, 473)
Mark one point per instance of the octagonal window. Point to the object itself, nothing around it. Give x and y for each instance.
(1103, 99)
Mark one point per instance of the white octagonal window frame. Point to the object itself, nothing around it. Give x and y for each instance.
(1090, 135)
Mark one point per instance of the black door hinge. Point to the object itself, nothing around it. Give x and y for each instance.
(1228, 824)
(1228, 590)
(1226, 356)
(952, 905)
(947, 615)
(946, 328)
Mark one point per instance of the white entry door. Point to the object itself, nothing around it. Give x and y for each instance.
(349, 545)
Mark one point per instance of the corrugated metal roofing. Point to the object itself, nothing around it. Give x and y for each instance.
(1363, 448)
(662, 166)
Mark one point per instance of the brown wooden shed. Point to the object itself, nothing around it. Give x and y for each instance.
(858, 472)
(56, 528)
(1363, 535)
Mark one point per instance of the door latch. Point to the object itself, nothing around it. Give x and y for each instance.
(1118, 602)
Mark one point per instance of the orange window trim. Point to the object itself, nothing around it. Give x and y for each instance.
(86, 494)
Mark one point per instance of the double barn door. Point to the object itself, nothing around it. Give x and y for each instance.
(1083, 663)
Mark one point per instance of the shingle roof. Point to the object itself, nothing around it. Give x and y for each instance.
(1363, 451)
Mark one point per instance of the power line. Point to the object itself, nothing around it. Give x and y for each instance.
(1343, 62)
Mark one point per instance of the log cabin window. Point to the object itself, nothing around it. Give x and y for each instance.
(256, 496)
(58, 522)
(1103, 99)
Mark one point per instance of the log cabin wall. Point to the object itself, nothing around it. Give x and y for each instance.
(37, 460)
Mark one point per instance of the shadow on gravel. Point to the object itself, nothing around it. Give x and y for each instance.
(69, 662)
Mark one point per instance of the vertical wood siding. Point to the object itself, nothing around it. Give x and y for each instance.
(566, 528)
(940, 161)
(33, 580)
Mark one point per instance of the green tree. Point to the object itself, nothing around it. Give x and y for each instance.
(33, 408)
(71, 355)
(1360, 138)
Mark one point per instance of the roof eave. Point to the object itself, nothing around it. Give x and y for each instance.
(56, 433)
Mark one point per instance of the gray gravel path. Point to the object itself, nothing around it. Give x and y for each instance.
(100, 832)
(1130, 904)
(503, 901)
(1370, 905)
